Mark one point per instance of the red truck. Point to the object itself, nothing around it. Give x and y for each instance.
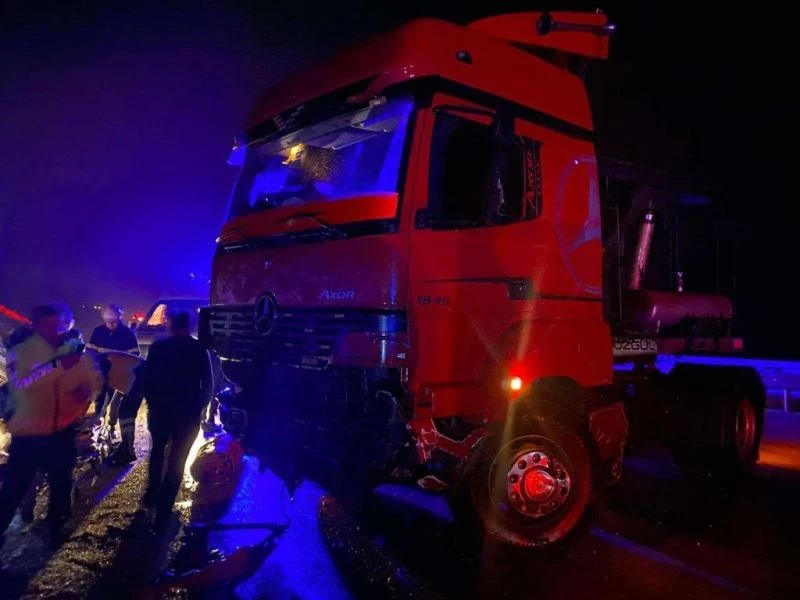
(411, 283)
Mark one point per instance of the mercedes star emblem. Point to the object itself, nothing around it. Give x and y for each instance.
(266, 312)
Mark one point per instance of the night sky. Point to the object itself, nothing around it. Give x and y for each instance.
(115, 124)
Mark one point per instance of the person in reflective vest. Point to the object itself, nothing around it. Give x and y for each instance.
(69, 335)
(52, 383)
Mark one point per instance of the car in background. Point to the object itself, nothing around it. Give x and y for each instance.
(153, 326)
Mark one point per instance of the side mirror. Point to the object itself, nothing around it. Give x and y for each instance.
(503, 127)
(134, 324)
(503, 141)
(500, 208)
(495, 192)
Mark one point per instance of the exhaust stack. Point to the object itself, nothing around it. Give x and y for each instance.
(646, 230)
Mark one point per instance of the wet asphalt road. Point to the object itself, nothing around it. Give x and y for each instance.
(658, 535)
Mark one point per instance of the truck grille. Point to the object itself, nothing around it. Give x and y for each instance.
(301, 337)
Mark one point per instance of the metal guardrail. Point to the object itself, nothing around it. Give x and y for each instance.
(781, 377)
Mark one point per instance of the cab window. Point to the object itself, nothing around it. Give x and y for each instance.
(477, 180)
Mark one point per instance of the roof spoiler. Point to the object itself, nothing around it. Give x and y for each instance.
(565, 32)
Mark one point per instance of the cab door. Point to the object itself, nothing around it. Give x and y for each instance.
(476, 200)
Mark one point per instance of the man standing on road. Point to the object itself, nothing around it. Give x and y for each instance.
(52, 383)
(113, 336)
(67, 332)
(177, 384)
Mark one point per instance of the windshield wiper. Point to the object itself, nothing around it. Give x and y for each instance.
(324, 224)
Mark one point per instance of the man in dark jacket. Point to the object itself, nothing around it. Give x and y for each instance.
(177, 384)
(114, 336)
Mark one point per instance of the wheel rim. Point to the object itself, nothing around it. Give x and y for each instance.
(533, 481)
(745, 428)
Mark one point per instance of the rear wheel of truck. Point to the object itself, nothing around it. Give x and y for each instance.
(743, 422)
(533, 488)
(747, 431)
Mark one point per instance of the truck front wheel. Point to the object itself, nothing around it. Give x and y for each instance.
(531, 489)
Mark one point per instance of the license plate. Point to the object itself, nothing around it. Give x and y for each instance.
(634, 346)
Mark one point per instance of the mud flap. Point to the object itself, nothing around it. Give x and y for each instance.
(609, 428)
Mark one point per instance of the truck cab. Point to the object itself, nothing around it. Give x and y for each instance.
(409, 284)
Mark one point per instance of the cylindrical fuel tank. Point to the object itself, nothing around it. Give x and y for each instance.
(649, 311)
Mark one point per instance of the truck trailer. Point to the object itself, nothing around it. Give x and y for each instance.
(419, 281)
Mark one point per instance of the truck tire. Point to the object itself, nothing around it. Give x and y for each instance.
(748, 423)
(532, 489)
(743, 424)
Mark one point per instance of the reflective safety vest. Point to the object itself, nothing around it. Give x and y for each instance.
(50, 389)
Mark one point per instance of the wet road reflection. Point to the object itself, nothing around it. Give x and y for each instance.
(659, 534)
